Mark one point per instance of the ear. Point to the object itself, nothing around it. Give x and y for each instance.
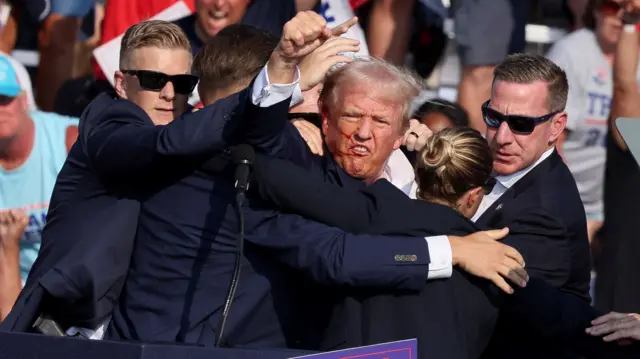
(120, 84)
(558, 124)
(470, 198)
(324, 112)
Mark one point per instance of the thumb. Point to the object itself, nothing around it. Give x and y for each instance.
(497, 234)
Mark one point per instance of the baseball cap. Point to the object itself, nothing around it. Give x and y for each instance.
(9, 85)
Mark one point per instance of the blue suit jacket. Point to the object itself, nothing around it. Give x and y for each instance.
(88, 238)
(452, 318)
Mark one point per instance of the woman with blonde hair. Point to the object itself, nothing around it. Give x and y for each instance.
(450, 318)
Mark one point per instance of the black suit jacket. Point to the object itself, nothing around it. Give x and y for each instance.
(92, 220)
(548, 227)
(451, 318)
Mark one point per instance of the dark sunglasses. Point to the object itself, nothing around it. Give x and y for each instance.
(156, 81)
(487, 187)
(609, 7)
(517, 123)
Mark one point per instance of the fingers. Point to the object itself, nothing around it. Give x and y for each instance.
(608, 317)
(513, 254)
(416, 136)
(624, 324)
(497, 234)
(344, 27)
(311, 135)
(621, 334)
(338, 45)
(514, 272)
(304, 28)
(501, 283)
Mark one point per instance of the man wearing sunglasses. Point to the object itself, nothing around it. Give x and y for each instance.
(535, 195)
(128, 147)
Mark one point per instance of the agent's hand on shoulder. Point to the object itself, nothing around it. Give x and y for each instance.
(482, 255)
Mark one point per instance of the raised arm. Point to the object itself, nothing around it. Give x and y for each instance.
(626, 96)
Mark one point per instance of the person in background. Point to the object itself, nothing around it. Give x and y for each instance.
(211, 16)
(12, 225)
(617, 284)
(33, 148)
(587, 57)
(482, 43)
(59, 24)
(439, 113)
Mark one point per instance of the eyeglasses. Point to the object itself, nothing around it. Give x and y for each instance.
(517, 123)
(156, 81)
(609, 7)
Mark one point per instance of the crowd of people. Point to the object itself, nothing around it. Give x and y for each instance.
(497, 226)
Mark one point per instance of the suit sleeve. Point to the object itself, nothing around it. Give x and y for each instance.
(125, 144)
(329, 256)
(294, 189)
(543, 242)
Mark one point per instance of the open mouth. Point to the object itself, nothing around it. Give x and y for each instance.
(217, 15)
(359, 150)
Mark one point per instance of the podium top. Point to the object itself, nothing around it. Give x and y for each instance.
(629, 129)
(36, 346)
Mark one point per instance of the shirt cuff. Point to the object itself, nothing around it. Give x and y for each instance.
(297, 97)
(265, 94)
(441, 258)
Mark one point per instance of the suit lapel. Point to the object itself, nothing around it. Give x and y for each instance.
(492, 216)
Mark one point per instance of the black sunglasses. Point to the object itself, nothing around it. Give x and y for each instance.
(487, 187)
(517, 123)
(156, 81)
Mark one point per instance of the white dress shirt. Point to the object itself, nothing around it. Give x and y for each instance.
(503, 183)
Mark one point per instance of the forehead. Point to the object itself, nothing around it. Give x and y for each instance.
(520, 99)
(169, 61)
(369, 100)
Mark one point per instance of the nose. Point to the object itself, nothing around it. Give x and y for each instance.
(363, 132)
(504, 135)
(168, 93)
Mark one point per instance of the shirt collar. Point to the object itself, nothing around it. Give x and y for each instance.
(509, 180)
(399, 171)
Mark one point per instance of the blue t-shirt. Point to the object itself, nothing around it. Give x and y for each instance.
(30, 186)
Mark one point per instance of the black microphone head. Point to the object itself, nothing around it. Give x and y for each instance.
(243, 153)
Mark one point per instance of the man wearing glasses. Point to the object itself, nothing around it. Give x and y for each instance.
(535, 195)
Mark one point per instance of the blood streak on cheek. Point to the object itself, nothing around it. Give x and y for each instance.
(349, 138)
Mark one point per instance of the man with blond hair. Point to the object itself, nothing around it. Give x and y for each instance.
(127, 147)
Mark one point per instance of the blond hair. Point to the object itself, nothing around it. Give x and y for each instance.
(453, 161)
(152, 33)
(398, 84)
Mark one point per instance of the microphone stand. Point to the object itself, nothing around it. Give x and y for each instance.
(241, 189)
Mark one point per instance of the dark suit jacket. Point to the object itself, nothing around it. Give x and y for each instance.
(88, 238)
(548, 227)
(185, 251)
(451, 318)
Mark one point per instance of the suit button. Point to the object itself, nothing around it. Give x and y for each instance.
(405, 257)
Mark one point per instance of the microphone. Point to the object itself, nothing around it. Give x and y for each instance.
(243, 157)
